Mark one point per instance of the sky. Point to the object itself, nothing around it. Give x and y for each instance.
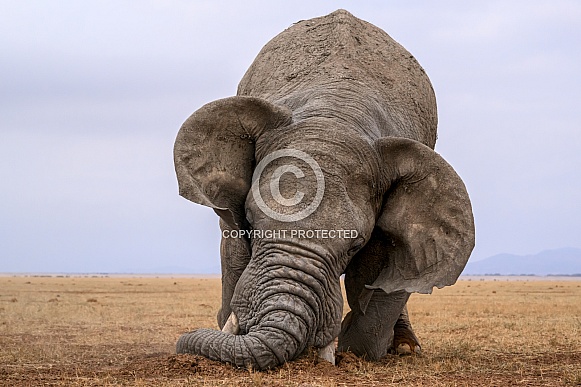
(92, 95)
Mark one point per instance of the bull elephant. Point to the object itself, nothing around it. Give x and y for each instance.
(323, 165)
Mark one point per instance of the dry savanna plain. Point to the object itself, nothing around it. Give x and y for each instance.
(109, 331)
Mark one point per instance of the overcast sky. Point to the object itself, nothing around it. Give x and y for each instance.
(92, 94)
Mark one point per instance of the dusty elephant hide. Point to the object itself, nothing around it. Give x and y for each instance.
(332, 112)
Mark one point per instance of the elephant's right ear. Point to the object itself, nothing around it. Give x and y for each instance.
(214, 152)
(426, 216)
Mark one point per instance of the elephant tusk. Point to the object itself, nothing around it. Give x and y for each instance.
(231, 325)
(328, 353)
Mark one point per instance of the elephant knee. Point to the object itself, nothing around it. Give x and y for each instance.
(364, 337)
(371, 334)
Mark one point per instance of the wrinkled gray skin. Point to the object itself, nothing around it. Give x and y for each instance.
(345, 93)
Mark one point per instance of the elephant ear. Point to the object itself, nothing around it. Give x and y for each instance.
(214, 152)
(426, 216)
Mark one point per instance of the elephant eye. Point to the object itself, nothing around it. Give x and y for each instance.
(358, 243)
(249, 217)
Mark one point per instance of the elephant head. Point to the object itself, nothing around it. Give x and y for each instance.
(319, 180)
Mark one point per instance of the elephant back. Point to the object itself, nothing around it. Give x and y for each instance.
(342, 52)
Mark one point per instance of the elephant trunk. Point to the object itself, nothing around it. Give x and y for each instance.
(283, 304)
(281, 335)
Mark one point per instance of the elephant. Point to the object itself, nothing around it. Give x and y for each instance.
(322, 165)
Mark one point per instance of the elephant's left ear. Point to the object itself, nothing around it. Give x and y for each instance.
(426, 215)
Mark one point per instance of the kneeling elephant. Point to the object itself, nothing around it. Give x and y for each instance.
(323, 165)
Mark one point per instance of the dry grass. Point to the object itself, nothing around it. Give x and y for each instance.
(122, 331)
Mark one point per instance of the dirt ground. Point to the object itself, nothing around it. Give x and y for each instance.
(108, 331)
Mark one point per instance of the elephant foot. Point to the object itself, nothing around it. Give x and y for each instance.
(405, 350)
(405, 342)
(327, 353)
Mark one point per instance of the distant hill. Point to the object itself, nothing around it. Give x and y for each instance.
(564, 261)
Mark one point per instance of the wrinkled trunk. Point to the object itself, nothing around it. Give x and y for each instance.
(281, 310)
(281, 335)
(269, 346)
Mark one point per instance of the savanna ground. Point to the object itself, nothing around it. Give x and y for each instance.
(108, 331)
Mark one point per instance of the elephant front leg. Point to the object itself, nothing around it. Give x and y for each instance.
(386, 313)
(371, 335)
(234, 257)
